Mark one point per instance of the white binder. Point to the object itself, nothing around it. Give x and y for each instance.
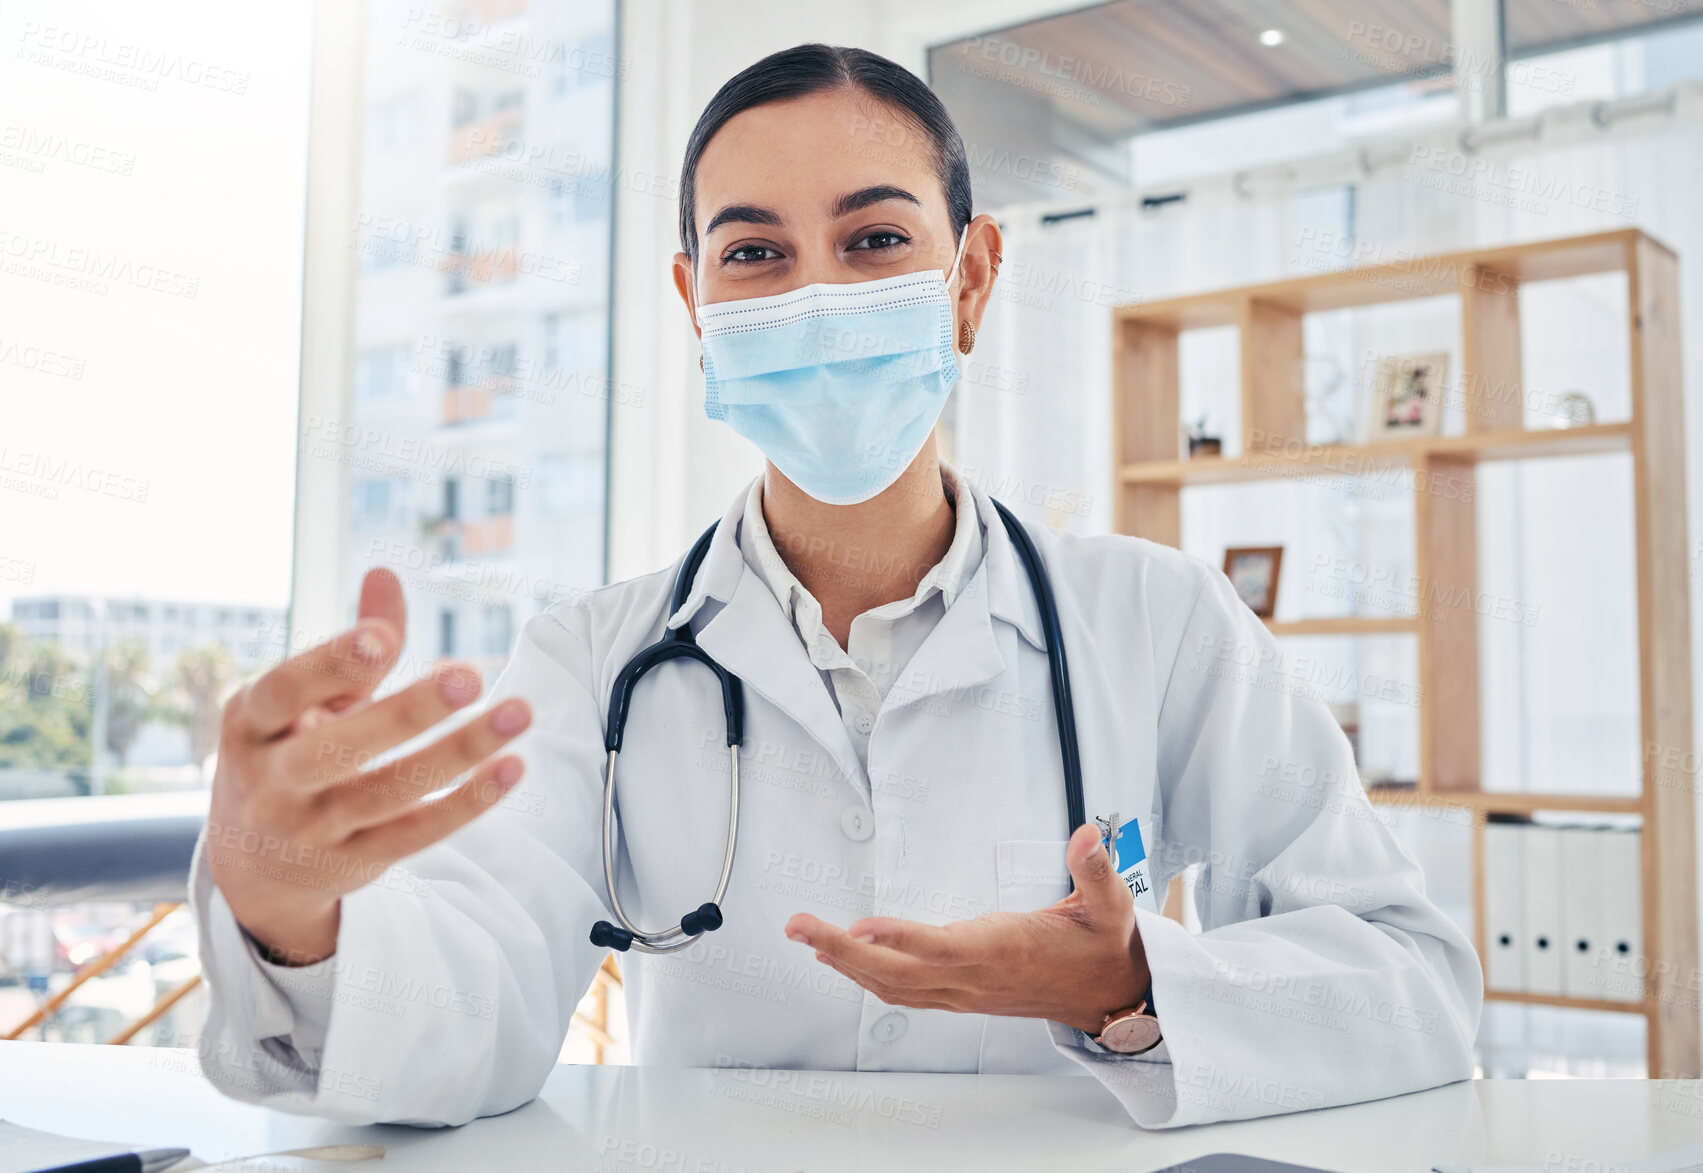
(1623, 914)
(1504, 944)
(1584, 923)
(1542, 909)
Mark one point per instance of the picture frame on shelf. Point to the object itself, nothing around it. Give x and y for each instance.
(1253, 572)
(1407, 396)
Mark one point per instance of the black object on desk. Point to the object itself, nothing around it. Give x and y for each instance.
(144, 1161)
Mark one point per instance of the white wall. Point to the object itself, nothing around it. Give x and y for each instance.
(673, 470)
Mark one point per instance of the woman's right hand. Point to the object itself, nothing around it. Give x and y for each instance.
(300, 816)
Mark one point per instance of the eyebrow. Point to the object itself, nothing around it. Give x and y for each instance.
(858, 200)
(853, 201)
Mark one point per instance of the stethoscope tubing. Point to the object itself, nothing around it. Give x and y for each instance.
(679, 643)
(676, 938)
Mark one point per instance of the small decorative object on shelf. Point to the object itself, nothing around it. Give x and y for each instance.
(1252, 570)
(1573, 410)
(1407, 396)
(1201, 444)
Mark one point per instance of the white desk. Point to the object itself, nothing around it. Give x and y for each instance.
(660, 1120)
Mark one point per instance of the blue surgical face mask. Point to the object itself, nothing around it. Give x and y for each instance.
(839, 385)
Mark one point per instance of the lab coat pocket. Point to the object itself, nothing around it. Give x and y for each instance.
(1031, 874)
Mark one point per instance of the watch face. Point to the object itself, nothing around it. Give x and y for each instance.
(1132, 1035)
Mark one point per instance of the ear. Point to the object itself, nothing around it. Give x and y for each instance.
(683, 284)
(976, 272)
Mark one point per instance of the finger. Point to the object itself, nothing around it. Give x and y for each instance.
(380, 794)
(936, 944)
(349, 665)
(883, 965)
(381, 598)
(341, 748)
(429, 822)
(1101, 889)
(935, 999)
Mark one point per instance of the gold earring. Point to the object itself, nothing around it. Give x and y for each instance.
(966, 336)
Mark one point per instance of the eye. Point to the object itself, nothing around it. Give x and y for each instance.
(881, 238)
(749, 254)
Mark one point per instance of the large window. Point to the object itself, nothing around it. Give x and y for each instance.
(150, 278)
(480, 344)
(152, 161)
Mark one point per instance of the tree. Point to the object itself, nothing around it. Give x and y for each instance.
(46, 705)
(201, 680)
(133, 697)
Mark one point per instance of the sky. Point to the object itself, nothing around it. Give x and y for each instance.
(152, 170)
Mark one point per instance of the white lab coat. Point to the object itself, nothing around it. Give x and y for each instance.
(1323, 975)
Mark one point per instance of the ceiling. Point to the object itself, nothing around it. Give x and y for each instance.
(1133, 65)
(1119, 68)
(1534, 25)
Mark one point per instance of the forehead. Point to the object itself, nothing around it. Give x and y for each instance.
(805, 152)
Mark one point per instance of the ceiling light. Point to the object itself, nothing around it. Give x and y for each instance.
(1272, 38)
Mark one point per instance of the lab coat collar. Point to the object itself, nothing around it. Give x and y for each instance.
(962, 652)
(752, 637)
(1009, 596)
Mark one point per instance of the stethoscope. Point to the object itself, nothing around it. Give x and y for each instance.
(678, 642)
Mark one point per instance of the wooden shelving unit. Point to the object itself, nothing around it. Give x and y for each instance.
(1151, 479)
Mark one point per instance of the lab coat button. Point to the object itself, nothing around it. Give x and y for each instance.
(857, 823)
(889, 1028)
(864, 724)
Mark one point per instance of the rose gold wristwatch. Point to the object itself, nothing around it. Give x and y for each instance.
(1131, 1031)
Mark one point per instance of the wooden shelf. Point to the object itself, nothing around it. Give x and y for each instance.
(1347, 625)
(1511, 802)
(1440, 473)
(1404, 280)
(1609, 1004)
(1358, 460)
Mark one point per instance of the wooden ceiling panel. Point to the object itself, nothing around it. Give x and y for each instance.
(1132, 65)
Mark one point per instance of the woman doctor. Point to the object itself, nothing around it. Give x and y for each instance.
(906, 894)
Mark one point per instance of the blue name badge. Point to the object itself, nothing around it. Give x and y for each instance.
(1132, 860)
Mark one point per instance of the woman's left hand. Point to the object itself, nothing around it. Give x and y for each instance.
(1072, 962)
